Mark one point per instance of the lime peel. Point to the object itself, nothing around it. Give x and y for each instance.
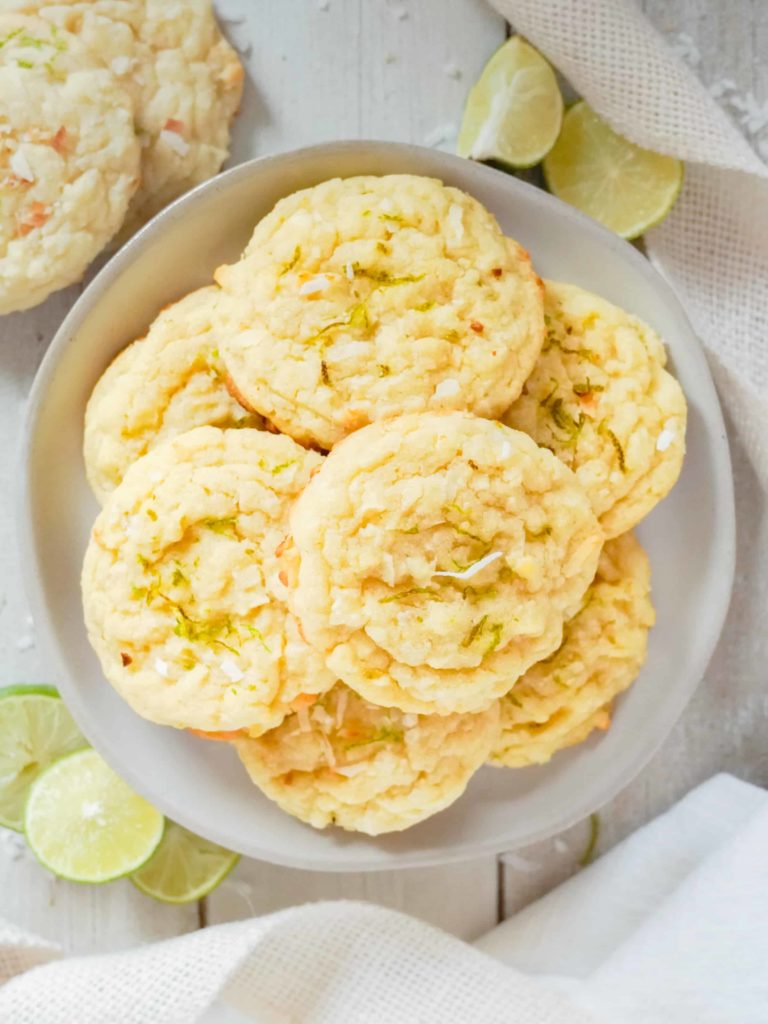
(626, 188)
(35, 730)
(85, 824)
(514, 111)
(184, 868)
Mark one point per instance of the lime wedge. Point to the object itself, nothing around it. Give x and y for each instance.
(35, 730)
(514, 111)
(85, 824)
(184, 867)
(626, 188)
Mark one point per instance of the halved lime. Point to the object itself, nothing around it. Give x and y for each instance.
(184, 867)
(35, 730)
(514, 111)
(85, 824)
(625, 187)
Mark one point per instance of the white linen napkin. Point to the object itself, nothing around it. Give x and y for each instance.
(671, 927)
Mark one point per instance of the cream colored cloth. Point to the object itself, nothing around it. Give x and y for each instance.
(670, 927)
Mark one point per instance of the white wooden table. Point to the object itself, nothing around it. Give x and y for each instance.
(394, 69)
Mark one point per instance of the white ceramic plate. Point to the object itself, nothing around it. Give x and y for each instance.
(690, 536)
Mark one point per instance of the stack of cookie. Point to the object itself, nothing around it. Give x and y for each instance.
(367, 503)
(108, 111)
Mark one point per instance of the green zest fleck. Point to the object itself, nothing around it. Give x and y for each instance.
(258, 635)
(227, 526)
(384, 370)
(187, 660)
(178, 579)
(152, 514)
(138, 593)
(282, 466)
(496, 629)
(358, 317)
(406, 593)
(513, 700)
(410, 530)
(383, 279)
(475, 632)
(25, 63)
(395, 218)
(453, 336)
(564, 420)
(424, 307)
(587, 388)
(292, 261)
(10, 36)
(594, 835)
(387, 734)
(616, 445)
(324, 375)
(203, 632)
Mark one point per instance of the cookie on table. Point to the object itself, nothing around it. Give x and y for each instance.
(164, 384)
(600, 398)
(368, 297)
(346, 762)
(183, 601)
(69, 159)
(434, 558)
(184, 77)
(558, 702)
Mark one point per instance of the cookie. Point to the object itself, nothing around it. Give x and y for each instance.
(558, 702)
(185, 79)
(600, 398)
(162, 385)
(69, 159)
(435, 558)
(181, 590)
(368, 297)
(369, 769)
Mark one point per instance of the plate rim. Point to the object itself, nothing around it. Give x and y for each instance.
(723, 498)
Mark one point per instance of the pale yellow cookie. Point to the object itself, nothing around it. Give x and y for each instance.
(435, 558)
(347, 762)
(69, 159)
(183, 601)
(162, 385)
(369, 297)
(185, 79)
(600, 398)
(560, 701)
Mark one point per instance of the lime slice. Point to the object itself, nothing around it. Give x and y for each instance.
(184, 867)
(35, 730)
(85, 824)
(626, 188)
(514, 111)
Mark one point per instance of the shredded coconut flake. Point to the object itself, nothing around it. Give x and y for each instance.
(409, 721)
(315, 285)
(341, 707)
(328, 750)
(175, 142)
(456, 222)
(665, 439)
(506, 450)
(472, 570)
(20, 167)
(122, 65)
(350, 770)
(161, 667)
(447, 388)
(232, 670)
(349, 270)
(302, 716)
